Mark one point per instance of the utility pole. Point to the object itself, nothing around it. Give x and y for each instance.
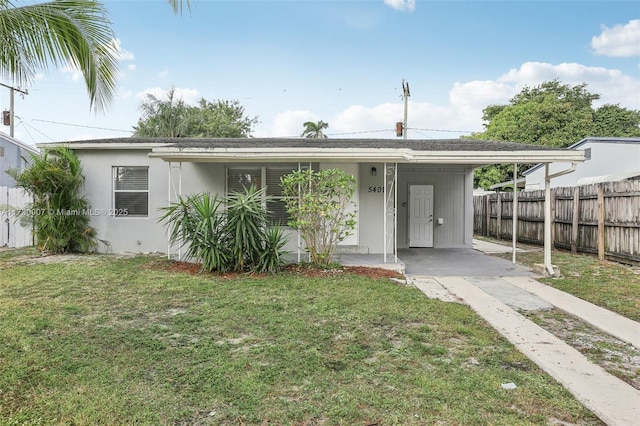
(12, 90)
(405, 95)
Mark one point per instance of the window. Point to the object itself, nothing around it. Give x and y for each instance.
(239, 178)
(131, 191)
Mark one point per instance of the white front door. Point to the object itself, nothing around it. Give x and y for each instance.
(421, 216)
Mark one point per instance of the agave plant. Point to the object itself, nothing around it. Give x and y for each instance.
(195, 222)
(237, 238)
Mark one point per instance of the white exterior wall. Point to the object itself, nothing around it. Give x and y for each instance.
(453, 188)
(453, 201)
(125, 234)
(607, 158)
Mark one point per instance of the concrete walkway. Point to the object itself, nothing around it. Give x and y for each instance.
(611, 399)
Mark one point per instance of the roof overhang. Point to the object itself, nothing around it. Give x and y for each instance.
(90, 145)
(396, 155)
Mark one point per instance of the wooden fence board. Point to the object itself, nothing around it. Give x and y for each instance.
(12, 231)
(602, 218)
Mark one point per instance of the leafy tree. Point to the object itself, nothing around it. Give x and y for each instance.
(314, 130)
(551, 114)
(317, 203)
(612, 120)
(74, 32)
(167, 118)
(221, 119)
(173, 118)
(60, 215)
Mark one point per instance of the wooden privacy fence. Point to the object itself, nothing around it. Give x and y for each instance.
(602, 218)
(12, 232)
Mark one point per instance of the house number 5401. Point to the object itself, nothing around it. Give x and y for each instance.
(376, 189)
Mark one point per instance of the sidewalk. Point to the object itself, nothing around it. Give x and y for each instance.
(611, 399)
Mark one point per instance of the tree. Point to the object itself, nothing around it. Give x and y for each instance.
(173, 118)
(612, 120)
(317, 203)
(163, 118)
(60, 215)
(551, 114)
(62, 32)
(314, 130)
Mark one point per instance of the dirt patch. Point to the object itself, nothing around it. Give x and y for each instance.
(618, 358)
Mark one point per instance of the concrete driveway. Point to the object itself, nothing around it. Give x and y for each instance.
(458, 262)
(498, 291)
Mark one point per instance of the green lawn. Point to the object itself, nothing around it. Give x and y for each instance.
(608, 284)
(109, 340)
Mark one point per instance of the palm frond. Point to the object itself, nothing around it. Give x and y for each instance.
(74, 33)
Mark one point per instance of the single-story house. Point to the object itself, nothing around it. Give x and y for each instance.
(13, 155)
(411, 193)
(612, 157)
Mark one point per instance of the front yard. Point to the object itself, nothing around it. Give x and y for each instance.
(128, 340)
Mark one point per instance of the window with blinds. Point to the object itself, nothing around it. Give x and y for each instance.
(131, 191)
(239, 178)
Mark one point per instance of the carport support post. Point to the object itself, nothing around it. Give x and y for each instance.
(514, 215)
(178, 193)
(547, 220)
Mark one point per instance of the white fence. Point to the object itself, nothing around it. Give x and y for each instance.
(12, 233)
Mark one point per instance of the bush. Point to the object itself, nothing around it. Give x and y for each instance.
(233, 239)
(317, 203)
(60, 215)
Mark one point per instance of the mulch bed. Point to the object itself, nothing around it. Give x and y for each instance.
(300, 269)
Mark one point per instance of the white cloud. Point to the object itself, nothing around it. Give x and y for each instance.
(72, 72)
(123, 55)
(619, 41)
(164, 73)
(131, 67)
(612, 85)
(402, 5)
(189, 96)
(474, 95)
(463, 113)
(288, 123)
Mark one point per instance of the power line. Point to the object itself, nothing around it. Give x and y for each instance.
(442, 130)
(80, 125)
(25, 124)
(360, 132)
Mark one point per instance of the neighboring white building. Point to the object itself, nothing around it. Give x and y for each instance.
(609, 157)
(411, 193)
(12, 156)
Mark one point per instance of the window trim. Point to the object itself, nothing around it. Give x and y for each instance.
(114, 211)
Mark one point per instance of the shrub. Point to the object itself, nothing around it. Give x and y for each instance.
(317, 203)
(234, 238)
(60, 215)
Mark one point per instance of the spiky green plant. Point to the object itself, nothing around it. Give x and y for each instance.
(196, 223)
(236, 238)
(59, 213)
(245, 226)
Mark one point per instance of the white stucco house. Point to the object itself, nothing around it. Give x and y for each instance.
(13, 155)
(411, 193)
(608, 159)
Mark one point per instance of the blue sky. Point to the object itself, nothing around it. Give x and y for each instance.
(343, 62)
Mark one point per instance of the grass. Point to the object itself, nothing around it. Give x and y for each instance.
(110, 340)
(607, 284)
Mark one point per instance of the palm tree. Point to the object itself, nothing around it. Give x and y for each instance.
(314, 130)
(62, 32)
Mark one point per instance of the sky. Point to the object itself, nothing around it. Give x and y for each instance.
(343, 62)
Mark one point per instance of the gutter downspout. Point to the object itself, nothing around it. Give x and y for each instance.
(547, 212)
